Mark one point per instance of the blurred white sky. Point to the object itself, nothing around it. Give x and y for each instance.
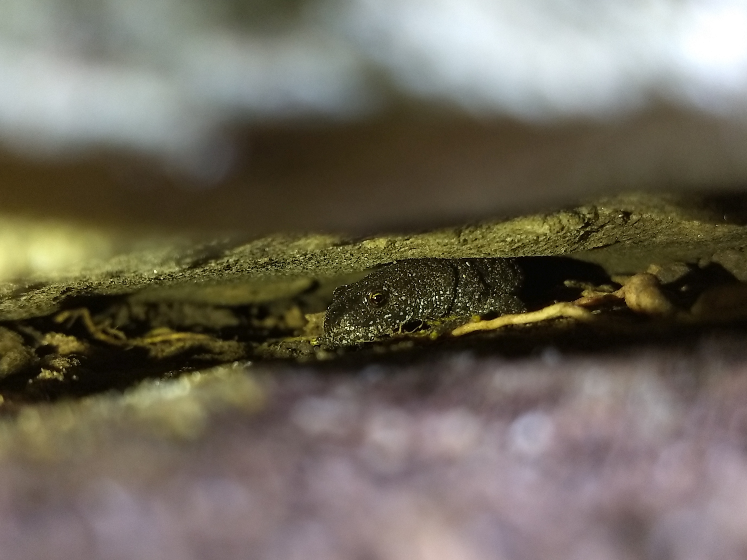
(163, 76)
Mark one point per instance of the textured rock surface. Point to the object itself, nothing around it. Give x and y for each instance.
(624, 234)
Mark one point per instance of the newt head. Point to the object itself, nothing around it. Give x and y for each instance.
(379, 304)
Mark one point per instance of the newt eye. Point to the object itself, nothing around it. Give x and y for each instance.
(377, 298)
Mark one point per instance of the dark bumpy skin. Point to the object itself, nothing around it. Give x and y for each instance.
(420, 290)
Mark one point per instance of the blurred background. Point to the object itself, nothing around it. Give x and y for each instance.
(357, 116)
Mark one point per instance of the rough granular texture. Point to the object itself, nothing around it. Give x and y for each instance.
(641, 454)
(421, 290)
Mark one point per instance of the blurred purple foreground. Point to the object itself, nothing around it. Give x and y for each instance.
(606, 457)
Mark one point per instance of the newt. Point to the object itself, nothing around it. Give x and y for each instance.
(421, 290)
